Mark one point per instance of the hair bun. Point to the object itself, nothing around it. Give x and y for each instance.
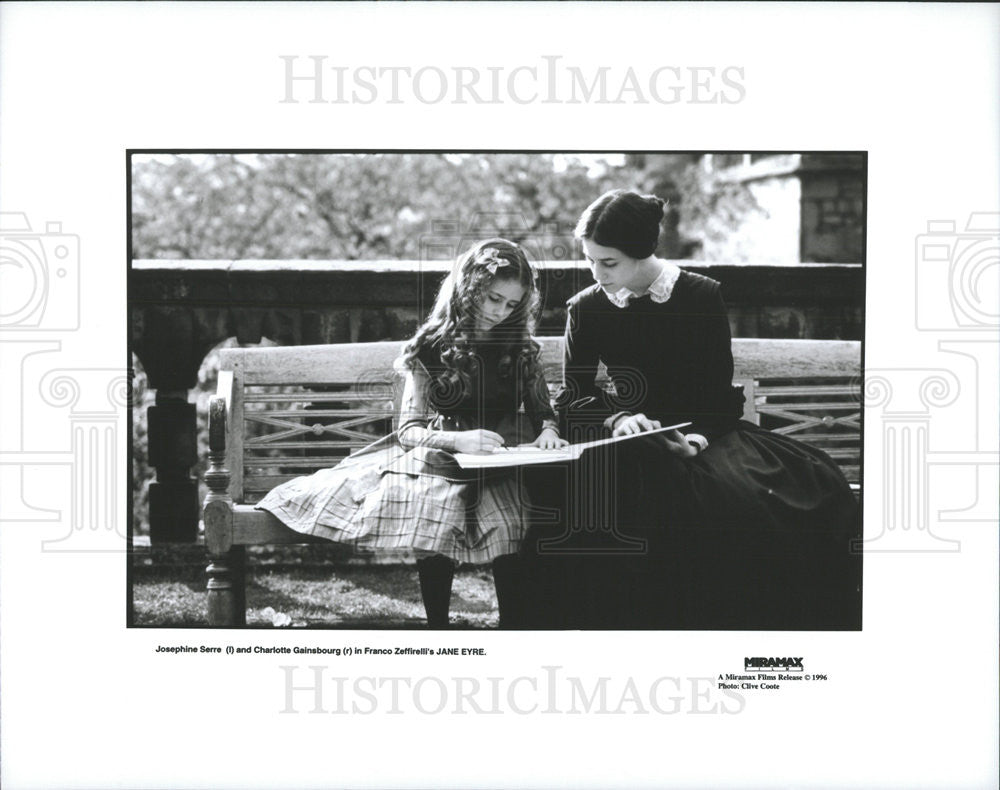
(625, 220)
(655, 204)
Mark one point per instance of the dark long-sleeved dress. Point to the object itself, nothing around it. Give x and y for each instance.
(753, 532)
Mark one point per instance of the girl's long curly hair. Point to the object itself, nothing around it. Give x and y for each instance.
(451, 324)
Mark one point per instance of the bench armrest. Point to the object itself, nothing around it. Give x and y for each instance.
(218, 510)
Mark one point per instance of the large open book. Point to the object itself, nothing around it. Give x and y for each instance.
(522, 456)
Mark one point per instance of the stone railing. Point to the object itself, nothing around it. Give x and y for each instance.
(180, 310)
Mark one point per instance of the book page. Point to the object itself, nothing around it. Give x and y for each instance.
(524, 455)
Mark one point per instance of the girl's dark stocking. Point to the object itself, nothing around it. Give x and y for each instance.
(509, 579)
(436, 574)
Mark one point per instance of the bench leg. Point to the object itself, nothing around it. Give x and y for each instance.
(227, 588)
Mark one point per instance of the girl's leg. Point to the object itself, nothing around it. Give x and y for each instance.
(436, 573)
(509, 580)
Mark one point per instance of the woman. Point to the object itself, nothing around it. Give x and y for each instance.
(468, 370)
(721, 524)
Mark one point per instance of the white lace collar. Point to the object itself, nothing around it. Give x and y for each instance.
(659, 290)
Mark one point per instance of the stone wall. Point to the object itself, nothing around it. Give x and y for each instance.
(199, 303)
(789, 208)
(833, 213)
(766, 225)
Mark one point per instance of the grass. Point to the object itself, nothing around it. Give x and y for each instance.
(344, 596)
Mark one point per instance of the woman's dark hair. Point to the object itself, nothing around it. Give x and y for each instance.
(625, 220)
(452, 320)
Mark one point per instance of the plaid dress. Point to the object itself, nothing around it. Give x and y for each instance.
(389, 497)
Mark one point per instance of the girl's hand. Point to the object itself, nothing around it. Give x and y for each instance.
(479, 441)
(635, 423)
(678, 444)
(549, 439)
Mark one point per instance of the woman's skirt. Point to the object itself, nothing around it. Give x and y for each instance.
(385, 497)
(757, 532)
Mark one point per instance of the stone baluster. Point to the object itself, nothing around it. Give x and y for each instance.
(171, 344)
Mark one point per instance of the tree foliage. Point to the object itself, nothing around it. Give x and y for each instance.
(386, 206)
(350, 206)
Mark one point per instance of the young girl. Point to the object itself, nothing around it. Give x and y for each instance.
(468, 371)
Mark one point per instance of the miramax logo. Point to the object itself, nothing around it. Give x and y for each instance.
(761, 664)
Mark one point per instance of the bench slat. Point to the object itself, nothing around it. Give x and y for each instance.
(822, 438)
(779, 407)
(841, 452)
(261, 484)
(807, 391)
(258, 416)
(367, 363)
(252, 527)
(314, 396)
(260, 444)
(318, 461)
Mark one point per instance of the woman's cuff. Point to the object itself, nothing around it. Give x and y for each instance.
(697, 440)
(610, 422)
(550, 425)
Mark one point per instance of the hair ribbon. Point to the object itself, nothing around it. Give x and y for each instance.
(491, 259)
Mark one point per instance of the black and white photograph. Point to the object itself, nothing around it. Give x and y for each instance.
(497, 390)
(389, 386)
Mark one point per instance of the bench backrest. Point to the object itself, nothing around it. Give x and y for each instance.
(295, 409)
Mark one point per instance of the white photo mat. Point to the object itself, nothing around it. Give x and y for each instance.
(910, 700)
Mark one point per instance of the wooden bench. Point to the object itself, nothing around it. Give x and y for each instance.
(281, 412)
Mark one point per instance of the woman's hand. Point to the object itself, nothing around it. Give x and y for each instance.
(678, 444)
(635, 423)
(479, 441)
(548, 439)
